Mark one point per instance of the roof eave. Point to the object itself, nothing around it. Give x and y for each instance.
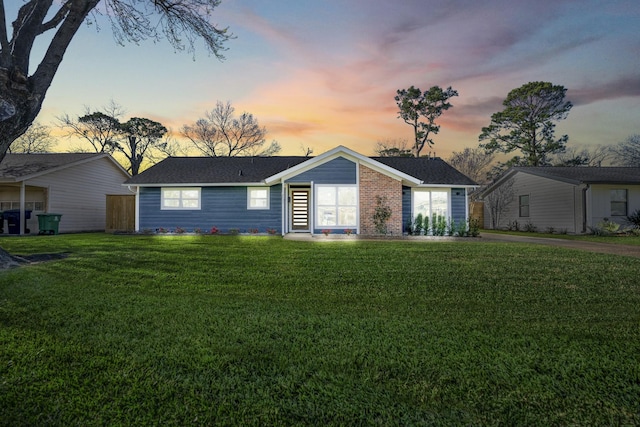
(338, 152)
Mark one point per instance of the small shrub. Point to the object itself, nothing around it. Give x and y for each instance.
(381, 215)
(451, 226)
(418, 224)
(609, 226)
(440, 226)
(461, 229)
(214, 230)
(513, 226)
(180, 230)
(530, 228)
(162, 230)
(326, 231)
(408, 227)
(605, 228)
(634, 219)
(425, 225)
(563, 231)
(348, 231)
(551, 230)
(253, 230)
(272, 231)
(197, 230)
(234, 231)
(474, 227)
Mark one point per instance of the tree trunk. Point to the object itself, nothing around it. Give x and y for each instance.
(18, 108)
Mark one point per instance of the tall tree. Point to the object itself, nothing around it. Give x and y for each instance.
(37, 139)
(473, 162)
(527, 123)
(139, 137)
(181, 22)
(393, 148)
(416, 106)
(220, 134)
(100, 130)
(627, 152)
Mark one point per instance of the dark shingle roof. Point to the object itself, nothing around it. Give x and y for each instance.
(214, 170)
(587, 175)
(17, 166)
(428, 170)
(227, 170)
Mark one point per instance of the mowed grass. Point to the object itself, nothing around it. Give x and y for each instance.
(222, 330)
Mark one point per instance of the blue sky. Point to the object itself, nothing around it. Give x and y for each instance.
(321, 74)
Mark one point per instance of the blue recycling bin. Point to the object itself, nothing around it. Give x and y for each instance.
(13, 220)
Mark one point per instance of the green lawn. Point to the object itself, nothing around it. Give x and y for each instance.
(224, 330)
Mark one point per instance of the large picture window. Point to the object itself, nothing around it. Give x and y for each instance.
(618, 202)
(181, 198)
(429, 203)
(336, 205)
(258, 198)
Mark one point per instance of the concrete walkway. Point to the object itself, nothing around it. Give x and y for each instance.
(605, 248)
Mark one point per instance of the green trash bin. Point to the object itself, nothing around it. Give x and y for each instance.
(48, 223)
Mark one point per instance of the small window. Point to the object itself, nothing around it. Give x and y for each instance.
(524, 206)
(258, 198)
(618, 202)
(180, 198)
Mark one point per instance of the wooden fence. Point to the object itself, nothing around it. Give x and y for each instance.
(121, 213)
(476, 211)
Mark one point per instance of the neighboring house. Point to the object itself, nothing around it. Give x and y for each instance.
(72, 184)
(334, 191)
(567, 199)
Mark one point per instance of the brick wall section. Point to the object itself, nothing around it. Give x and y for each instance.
(374, 184)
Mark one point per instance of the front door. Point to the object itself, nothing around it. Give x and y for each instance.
(300, 201)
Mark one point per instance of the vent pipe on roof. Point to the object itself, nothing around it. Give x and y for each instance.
(240, 172)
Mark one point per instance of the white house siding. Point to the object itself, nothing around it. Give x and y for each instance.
(79, 193)
(600, 202)
(10, 197)
(551, 204)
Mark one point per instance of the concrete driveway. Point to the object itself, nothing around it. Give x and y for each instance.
(605, 248)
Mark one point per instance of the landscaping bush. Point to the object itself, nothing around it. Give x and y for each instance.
(634, 219)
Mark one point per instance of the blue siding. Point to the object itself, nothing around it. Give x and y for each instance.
(458, 204)
(336, 171)
(406, 207)
(222, 207)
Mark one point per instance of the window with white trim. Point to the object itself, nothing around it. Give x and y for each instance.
(336, 205)
(258, 198)
(30, 206)
(430, 202)
(618, 202)
(187, 198)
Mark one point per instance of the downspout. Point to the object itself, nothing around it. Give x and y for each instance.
(137, 210)
(584, 208)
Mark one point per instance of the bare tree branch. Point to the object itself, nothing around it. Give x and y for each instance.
(221, 134)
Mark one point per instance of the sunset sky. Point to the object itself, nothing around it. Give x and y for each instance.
(322, 74)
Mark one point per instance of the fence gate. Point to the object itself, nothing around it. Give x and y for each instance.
(121, 213)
